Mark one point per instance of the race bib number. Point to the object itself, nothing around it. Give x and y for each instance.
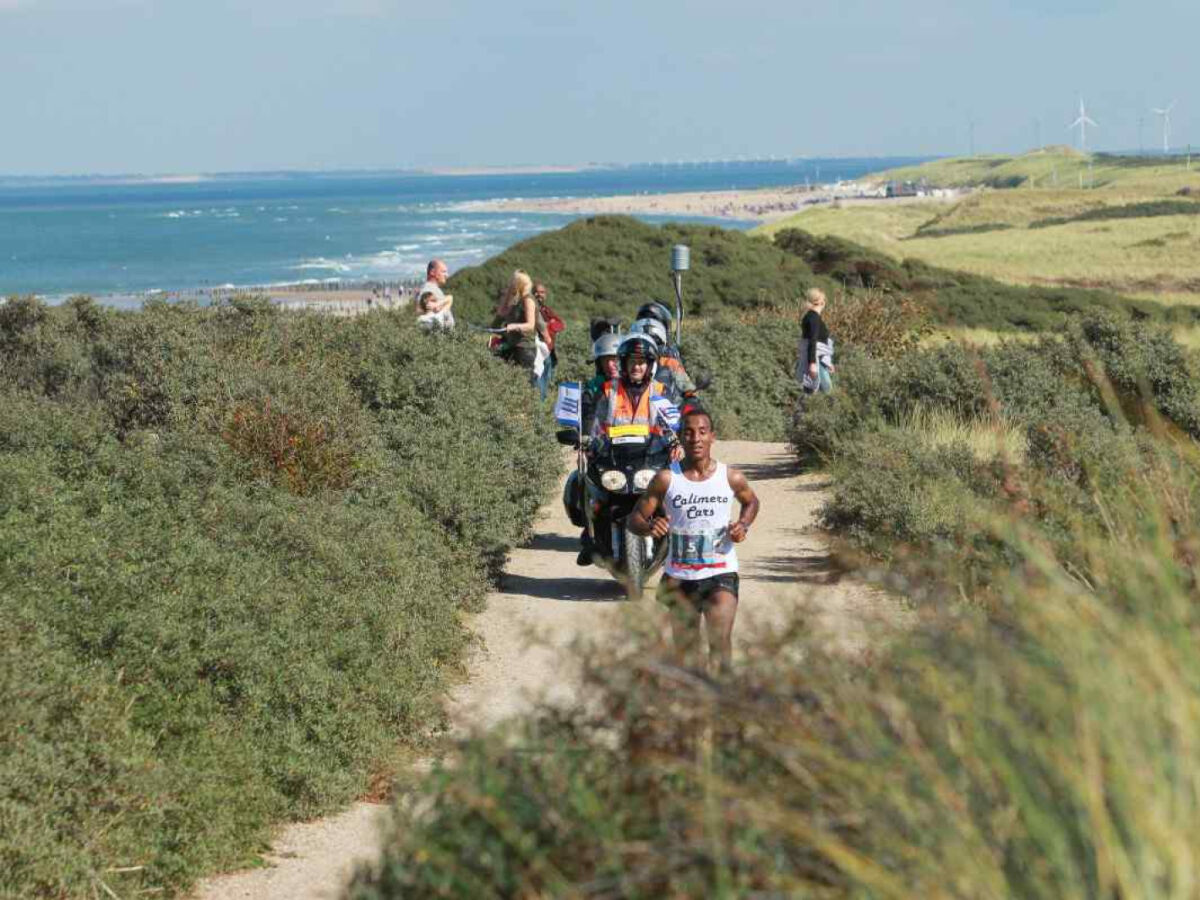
(698, 551)
(629, 434)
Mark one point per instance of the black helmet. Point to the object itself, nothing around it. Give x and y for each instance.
(638, 345)
(656, 310)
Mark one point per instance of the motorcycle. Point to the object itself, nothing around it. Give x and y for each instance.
(599, 496)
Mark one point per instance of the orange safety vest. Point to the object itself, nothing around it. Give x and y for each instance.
(624, 424)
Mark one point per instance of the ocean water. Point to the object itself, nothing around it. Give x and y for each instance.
(90, 236)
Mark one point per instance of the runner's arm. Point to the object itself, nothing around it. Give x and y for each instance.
(749, 502)
(643, 520)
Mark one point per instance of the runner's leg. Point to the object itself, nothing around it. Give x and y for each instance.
(718, 621)
(685, 622)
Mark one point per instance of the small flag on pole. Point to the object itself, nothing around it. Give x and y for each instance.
(567, 407)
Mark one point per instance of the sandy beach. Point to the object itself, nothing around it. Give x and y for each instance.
(761, 205)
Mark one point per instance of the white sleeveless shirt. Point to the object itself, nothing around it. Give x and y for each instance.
(699, 514)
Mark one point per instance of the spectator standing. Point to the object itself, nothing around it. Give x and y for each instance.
(814, 363)
(548, 326)
(517, 315)
(433, 305)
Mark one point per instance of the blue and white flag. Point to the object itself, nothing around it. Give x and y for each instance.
(567, 407)
(664, 411)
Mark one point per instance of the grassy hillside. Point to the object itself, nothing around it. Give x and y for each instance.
(609, 265)
(1134, 234)
(1054, 167)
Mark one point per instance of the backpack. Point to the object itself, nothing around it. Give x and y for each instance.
(554, 324)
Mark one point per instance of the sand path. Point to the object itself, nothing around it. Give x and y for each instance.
(784, 563)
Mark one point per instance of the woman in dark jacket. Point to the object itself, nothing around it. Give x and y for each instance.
(814, 363)
(517, 315)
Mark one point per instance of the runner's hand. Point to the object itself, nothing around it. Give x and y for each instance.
(677, 453)
(737, 532)
(659, 527)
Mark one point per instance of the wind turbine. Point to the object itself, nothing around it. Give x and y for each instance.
(1082, 123)
(1166, 114)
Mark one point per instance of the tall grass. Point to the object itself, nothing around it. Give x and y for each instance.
(1042, 748)
(1033, 735)
(987, 437)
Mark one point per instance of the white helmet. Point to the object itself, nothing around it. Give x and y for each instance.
(653, 328)
(606, 345)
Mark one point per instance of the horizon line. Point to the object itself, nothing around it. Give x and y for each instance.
(519, 168)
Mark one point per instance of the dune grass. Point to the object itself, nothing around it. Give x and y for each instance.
(1056, 167)
(999, 234)
(988, 436)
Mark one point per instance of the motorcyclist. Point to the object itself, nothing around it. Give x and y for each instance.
(604, 354)
(633, 410)
(660, 312)
(679, 386)
(669, 356)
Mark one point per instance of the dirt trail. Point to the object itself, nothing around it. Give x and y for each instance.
(784, 562)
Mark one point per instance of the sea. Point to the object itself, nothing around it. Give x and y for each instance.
(124, 239)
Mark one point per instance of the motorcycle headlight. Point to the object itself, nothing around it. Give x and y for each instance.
(613, 480)
(642, 479)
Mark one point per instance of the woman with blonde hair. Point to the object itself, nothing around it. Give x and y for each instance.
(814, 363)
(517, 315)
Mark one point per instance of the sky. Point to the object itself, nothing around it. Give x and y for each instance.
(189, 86)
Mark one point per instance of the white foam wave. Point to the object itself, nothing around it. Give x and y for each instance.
(321, 263)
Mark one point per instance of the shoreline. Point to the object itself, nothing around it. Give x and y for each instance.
(341, 294)
(757, 205)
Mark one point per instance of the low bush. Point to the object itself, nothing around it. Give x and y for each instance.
(1146, 210)
(235, 546)
(610, 265)
(905, 491)
(1074, 407)
(1032, 750)
(950, 231)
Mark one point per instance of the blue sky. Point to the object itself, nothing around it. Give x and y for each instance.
(157, 86)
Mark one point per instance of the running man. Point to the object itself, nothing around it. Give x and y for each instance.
(701, 579)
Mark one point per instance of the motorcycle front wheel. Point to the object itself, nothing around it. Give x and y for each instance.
(639, 557)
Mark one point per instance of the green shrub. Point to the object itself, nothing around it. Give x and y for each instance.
(610, 265)
(1145, 210)
(894, 489)
(950, 231)
(850, 265)
(1080, 401)
(235, 546)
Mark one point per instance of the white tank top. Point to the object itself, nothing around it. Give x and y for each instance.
(699, 513)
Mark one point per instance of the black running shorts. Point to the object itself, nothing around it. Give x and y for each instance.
(699, 593)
